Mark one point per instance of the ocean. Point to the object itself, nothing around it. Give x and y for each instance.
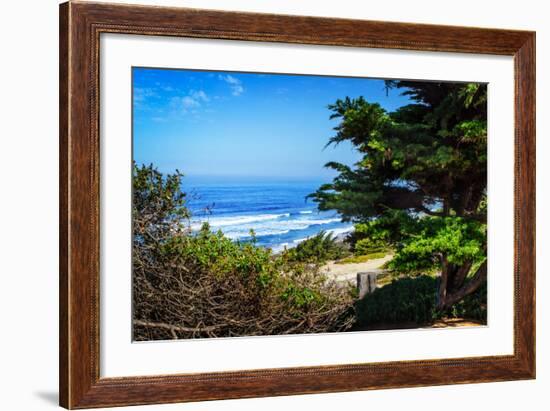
(277, 210)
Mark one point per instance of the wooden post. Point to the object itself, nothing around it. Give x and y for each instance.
(366, 283)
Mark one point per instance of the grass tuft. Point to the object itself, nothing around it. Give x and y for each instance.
(356, 259)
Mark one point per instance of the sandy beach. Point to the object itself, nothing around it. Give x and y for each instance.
(348, 272)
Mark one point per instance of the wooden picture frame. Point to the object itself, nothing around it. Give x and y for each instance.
(80, 27)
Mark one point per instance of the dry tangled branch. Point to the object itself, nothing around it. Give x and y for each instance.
(186, 299)
(196, 285)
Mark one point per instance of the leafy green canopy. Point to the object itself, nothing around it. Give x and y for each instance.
(421, 183)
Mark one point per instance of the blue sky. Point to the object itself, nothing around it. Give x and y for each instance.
(243, 124)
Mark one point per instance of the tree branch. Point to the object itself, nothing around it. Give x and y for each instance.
(174, 328)
(479, 278)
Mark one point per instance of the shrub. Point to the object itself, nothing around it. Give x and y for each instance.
(368, 246)
(317, 250)
(371, 237)
(191, 285)
(413, 299)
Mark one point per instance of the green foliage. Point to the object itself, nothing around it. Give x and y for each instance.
(420, 241)
(404, 300)
(212, 252)
(430, 151)
(300, 297)
(413, 299)
(420, 187)
(368, 246)
(382, 233)
(157, 199)
(201, 284)
(317, 250)
(473, 306)
(458, 239)
(354, 259)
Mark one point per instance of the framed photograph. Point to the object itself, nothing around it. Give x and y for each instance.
(259, 205)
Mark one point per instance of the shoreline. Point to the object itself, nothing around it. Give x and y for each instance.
(339, 237)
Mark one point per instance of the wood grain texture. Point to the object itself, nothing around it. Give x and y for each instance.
(525, 200)
(80, 27)
(63, 205)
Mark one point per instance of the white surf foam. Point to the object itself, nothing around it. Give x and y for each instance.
(215, 222)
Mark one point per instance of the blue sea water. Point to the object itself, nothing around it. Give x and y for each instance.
(276, 209)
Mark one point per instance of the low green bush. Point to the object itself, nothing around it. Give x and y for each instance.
(413, 299)
(317, 250)
(368, 246)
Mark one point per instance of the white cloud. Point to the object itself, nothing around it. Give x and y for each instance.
(141, 93)
(188, 102)
(199, 95)
(192, 100)
(234, 83)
